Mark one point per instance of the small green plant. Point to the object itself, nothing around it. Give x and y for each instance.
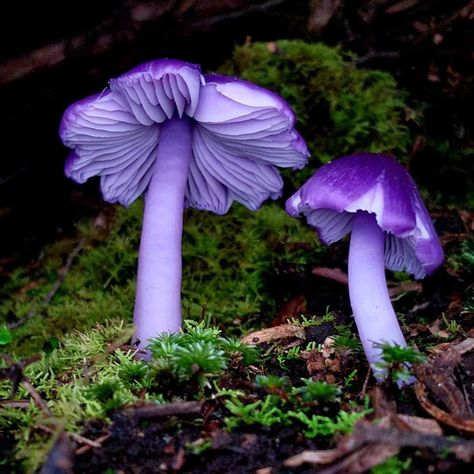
(452, 326)
(197, 353)
(5, 335)
(318, 425)
(235, 348)
(198, 447)
(349, 380)
(397, 361)
(315, 391)
(346, 340)
(467, 252)
(392, 465)
(266, 412)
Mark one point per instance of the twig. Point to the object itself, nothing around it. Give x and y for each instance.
(57, 284)
(331, 274)
(88, 447)
(75, 437)
(169, 409)
(337, 275)
(36, 397)
(365, 384)
(22, 404)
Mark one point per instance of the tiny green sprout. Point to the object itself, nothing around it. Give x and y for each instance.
(198, 447)
(350, 379)
(313, 346)
(318, 425)
(467, 252)
(468, 305)
(266, 413)
(397, 360)
(453, 327)
(163, 350)
(345, 339)
(220, 392)
(50, 345)
(5, 335)
(199, 358)
(198, 352)
(308, 321)
(315, 391)
(199, 332)
(232, 346)
(133, 372)
(107, 393)
(392, 465)
(304, 321)
(293, 352)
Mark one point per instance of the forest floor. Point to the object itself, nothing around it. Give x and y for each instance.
(273, 378)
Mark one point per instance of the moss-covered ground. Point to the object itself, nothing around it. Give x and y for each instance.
(74, 393)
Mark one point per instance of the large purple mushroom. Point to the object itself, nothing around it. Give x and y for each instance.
(373, 196)
(182, 139)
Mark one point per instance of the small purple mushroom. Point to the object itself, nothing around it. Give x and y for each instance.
(184, 140)
(373, 196)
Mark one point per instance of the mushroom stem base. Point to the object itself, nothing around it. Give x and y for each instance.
(158, 294)
(373, 312)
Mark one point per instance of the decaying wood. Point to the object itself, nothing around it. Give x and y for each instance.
(168, 409)
(276, 333)
(371, 444)
(437, 380)
(465, 424)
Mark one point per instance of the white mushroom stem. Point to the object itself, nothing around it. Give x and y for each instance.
(158, 294)
(373, 312)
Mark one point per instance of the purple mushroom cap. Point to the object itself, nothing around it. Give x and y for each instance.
(373, 197)
(241, 132)
(183, 139)
(377, 184)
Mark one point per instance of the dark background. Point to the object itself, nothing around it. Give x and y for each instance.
(56, 52)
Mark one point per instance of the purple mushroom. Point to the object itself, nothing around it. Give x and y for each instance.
(184, 140)
(373, 196)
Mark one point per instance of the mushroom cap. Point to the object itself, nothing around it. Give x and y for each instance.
(378, 184)
(241, 132)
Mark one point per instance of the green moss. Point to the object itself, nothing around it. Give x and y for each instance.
(340, 109)
(92, 373)
(226, 261)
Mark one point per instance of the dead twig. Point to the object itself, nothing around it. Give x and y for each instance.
(168, 409)
(40, 403)
(462, 424)
(74, 436)
(437, 378)
(337, 275)
(87, 447)
(370, 445)
(56, 285)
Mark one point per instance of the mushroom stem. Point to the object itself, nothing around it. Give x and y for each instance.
(373, 312)
(158, 294)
